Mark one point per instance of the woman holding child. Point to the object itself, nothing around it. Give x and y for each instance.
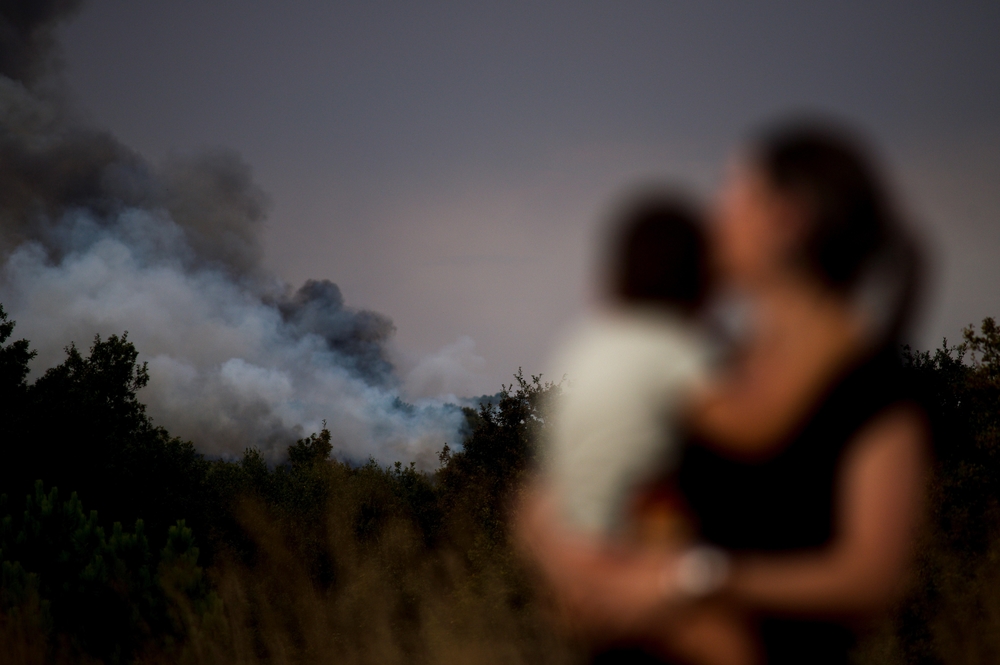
(806, 457)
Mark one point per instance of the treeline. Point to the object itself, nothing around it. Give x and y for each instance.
(952, 614)
(120, 543)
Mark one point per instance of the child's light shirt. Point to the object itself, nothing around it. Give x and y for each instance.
(629, 372)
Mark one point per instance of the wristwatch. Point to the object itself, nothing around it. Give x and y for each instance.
(701, 571)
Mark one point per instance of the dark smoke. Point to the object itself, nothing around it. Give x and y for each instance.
(94, 239)
(27, 46)
(317, 308)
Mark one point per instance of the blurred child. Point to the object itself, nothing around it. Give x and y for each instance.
(630, 367)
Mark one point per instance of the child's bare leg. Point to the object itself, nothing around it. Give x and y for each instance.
(711, 634)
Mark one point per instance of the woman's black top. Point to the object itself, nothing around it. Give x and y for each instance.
(786, 502)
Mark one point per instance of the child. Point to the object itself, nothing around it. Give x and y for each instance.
(630, 368)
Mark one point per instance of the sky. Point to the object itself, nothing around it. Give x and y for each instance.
(448, 163)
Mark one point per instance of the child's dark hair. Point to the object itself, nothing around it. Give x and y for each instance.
(659, 253)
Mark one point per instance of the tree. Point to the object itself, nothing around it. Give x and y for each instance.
(81, 425)
(14, 360)
(105, 596)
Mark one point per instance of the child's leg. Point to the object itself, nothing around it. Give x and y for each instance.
(660, 517)
(711, 634)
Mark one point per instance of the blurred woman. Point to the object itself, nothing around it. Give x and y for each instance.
(806, 464)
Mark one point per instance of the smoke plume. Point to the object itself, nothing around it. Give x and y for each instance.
(94, 239)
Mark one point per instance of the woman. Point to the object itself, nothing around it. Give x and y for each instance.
(807, 462)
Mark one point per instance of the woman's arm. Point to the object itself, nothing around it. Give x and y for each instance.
(879, 508)
(783, 374)
(606, 593)
(612, 592)
(598, 584)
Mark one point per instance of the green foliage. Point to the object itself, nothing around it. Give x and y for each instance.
(106, 595)
(478, 482)
(24, 616)
(954, 606)
(962, 391)
(190, 599)
(245, 561)
(18, 588)
(312, 450)
(500, 445)
(81, 425)
(14, 359)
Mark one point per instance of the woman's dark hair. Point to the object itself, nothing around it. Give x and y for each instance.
(854, 235)
(659, 253)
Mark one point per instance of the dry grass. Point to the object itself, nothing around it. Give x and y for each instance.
(393, 601)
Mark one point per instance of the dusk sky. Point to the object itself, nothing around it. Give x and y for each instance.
(447, 163)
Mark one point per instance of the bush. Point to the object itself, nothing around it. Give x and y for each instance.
(319, 560)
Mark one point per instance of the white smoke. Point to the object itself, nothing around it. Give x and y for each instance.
(93, 240)
(227, 370)
(451, 372)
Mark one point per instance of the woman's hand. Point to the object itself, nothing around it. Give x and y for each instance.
(609, 593)
(605, 590)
